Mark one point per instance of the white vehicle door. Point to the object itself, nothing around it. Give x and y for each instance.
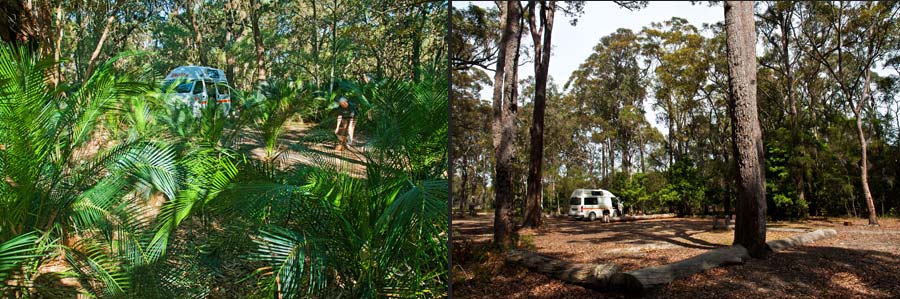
(222, 93)
(197, 95)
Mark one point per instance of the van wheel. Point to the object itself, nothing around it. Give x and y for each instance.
(605, 218)
(592, 217)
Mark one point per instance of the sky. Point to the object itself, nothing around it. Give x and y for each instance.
(573, 44)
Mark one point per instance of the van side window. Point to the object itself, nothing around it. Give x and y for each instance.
(210, 91)
(198, 87)
(597, 193)
(590, 201)
(223, 89)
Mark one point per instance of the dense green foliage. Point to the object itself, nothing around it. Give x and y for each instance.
(599, 135)
(109, 190)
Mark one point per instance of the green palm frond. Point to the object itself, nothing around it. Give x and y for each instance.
(209, 172)
(101, 273)
(299, 263)
(15, 252)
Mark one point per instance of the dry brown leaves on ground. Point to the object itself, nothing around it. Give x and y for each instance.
(861, 262)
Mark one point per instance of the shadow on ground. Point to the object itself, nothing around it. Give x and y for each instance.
(851, 265)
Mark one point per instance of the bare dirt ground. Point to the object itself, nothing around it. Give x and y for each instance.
(292, 151)
(861, 262)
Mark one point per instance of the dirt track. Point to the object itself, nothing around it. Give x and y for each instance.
(861, 262)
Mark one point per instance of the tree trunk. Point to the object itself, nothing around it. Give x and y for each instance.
(333, 46)
(198, 36)
(96, 53)
(504, 120)
(257, 41)
(798, 172)
(417, 44)
(58, 76)
(463, 194)
(750, 227)
(641, 151)
(864, 163)
(316, 45)
(534, 198)
(230, 11)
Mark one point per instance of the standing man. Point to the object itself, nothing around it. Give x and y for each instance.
(346, 123)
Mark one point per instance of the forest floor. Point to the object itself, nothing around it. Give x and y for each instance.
(861, 261)
(293, 151)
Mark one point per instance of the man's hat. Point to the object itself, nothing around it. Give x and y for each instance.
(342, 99)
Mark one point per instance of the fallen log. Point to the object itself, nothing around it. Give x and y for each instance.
(801, 239)
(589, 275)
(608, 277)
(786, 229)
(651, 277)
(641, 217)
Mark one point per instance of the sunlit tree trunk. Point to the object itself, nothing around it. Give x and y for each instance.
(96, 53)
(864, 163)
(750, 227)
(58, 76)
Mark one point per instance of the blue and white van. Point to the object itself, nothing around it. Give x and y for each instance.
(197, 86)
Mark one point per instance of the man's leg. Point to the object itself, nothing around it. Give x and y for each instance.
(342, 140)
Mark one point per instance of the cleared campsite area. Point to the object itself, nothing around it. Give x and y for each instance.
(860, 261)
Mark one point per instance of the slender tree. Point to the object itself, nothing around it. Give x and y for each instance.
(750, 227)
(865, 34)
(534, 199)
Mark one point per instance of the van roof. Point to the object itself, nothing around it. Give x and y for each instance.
(583, 191)
(193, 72)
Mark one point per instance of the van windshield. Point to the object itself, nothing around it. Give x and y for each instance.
(184, 87)
(575, 201)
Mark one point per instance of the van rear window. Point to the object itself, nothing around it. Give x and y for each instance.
(575, 201)
(590, 201)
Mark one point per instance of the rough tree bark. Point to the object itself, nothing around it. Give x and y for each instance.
(258, 42)
(198, 35)
(750, 226)
(595, 276)
(503, 129)
(230, 12)
(534, 198)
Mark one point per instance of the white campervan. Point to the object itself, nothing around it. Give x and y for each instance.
(591, 204)
(195, 86)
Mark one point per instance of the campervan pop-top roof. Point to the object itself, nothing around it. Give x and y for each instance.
(591, 192)
(193, 72)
